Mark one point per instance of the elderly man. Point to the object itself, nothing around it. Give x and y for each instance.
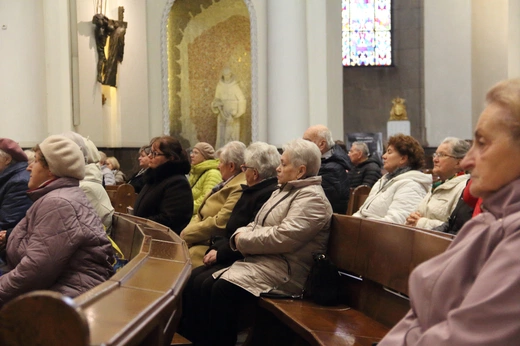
(366, 170)
(334, 166)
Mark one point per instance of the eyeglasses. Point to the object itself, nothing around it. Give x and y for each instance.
(244, 167)
(154, 154)
(441, 155)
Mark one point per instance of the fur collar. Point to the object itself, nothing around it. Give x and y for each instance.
(166, 170)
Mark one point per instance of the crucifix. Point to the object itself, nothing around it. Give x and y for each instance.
(114, 31)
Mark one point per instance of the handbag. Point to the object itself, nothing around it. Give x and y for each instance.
(323, 282)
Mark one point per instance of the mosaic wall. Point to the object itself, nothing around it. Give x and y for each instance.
(204, 37)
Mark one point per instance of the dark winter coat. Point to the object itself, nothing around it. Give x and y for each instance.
(335, 181)
(137, 180)
(166, 197)
(366, 173)
(60, 245)
(252, 199)
(13, 194)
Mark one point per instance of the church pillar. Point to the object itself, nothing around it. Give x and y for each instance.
(287, 76)
(57, 65)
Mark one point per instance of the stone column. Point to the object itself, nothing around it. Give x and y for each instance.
(287, 72)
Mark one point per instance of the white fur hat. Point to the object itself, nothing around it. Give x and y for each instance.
(64, 157)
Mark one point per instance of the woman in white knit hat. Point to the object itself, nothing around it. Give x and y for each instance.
(60, 245)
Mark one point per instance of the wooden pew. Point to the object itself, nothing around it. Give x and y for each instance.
(358, 195)
(121, 196)
(375, 259)
(139, 305)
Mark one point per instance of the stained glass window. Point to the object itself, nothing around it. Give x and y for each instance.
(367, 36)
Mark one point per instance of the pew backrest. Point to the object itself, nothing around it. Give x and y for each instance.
(121, 196)
(358, 195)
(376, 259)
(139, 305)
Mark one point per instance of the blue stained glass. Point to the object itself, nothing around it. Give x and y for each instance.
(366, 35)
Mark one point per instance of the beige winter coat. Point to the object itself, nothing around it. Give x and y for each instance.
(278, 246)
(212, 218)
(438, 204)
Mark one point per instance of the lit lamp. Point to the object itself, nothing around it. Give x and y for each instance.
(398, 122)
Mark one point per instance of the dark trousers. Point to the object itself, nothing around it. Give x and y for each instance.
(195, 297)
(226, 300)
(211, 307)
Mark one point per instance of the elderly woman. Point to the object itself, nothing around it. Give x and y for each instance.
(13, 186)
(439, 203)
(92, 184)
(137, 180)
(166, 197)
(260, 163)
(277, 246)
(215, 210)
(399, 192)
(115, 167)
(60, 245)
(204, 174)
(469, 294)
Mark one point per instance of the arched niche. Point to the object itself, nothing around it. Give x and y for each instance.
(199, 38)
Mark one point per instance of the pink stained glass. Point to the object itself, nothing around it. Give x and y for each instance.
(366, 33)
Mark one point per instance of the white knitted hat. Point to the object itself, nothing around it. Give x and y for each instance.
(64, 157)
(92, 151)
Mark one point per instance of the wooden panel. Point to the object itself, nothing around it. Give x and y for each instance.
(127, 236)
(343, 240)
(156, 275)
(113, 314)
(157, 233)
(383, 306)
(124, 198)
(43, 318)
(385, 254)
(167, 250)
(426, 246)
(179, 340)
(357, 197)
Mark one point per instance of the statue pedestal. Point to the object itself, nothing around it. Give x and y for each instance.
(394, 127)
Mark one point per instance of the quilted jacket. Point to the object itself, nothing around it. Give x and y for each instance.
(278, 245)
(393, 200)
(60, 245)
(203, 177)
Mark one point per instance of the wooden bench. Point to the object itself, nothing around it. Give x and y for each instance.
(121, 196)
(358, 195)
(139, 305)
(375, 259)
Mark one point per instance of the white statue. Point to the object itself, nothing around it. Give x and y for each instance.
(230, 105)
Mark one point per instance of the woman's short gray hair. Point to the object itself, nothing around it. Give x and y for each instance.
(264, 157)
(302, 152)
(459, 147)
(233, 152)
